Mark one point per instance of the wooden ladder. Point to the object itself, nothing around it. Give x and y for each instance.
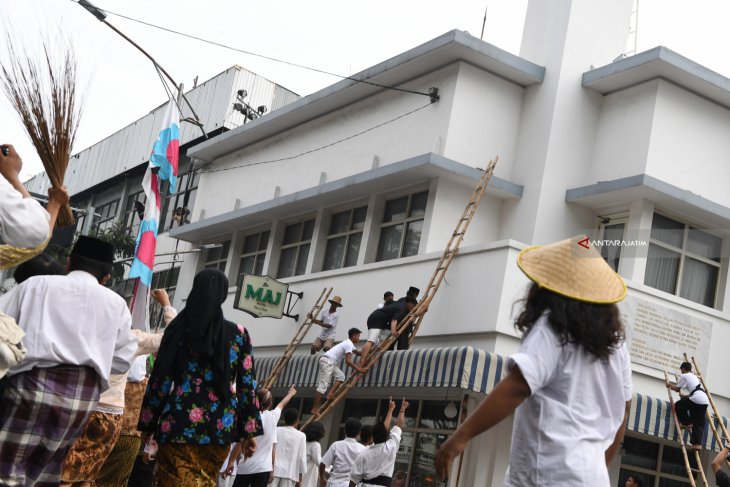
(297, 340)
(415, 316)
(715, 415)
(683, 446)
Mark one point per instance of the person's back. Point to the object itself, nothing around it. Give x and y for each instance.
(341, 455)
(261, 461)
(291, 452)
(570, 419)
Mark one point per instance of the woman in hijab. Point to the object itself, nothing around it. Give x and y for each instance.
(201, 396)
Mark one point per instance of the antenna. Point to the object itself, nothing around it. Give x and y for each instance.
(484, 22)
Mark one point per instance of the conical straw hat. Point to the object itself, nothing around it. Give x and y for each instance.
(570, 269)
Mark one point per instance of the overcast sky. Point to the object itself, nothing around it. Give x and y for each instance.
(121, 86)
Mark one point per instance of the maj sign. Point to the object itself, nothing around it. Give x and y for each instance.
(261, 296)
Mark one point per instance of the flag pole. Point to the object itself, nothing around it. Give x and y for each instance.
(99, 14)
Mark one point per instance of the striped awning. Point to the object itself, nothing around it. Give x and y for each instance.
(466, 368)
(652, 416)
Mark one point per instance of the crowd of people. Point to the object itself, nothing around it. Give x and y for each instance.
(83, 393)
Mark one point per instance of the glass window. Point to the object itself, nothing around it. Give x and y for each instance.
(344, 238)
(653, 462)
(683, 260)
(134, 212)
(217, 257)
(254, 253)
(177, 207)
(400, 232)
(612, 253)
(295, 249)
(424, 471)
(104, 216)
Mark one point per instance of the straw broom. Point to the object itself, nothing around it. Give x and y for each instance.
(43, 93)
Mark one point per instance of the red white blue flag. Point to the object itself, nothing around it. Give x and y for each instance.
(162, 167)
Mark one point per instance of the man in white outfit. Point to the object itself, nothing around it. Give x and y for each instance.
(291, 452)
(341, 455)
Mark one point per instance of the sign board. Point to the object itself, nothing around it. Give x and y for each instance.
(658, 336)
(261, 296)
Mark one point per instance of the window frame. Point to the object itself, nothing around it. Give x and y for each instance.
(107, 222)
(262, 253)
(683, 254)
(347, 234)
(140, 196)
(406, 221)
(171, 201)
(610, 220)
(657, 471)
(298, 244)
(207, 264)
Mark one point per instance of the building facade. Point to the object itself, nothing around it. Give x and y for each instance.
(359, 187)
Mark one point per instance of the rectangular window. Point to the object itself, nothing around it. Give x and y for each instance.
(400, 232)
(295, 249)
(254, 253)
(104, 216)
(216, 258)
(132, 210)
(683, 260)
(344, 238)
(178, 207)
(655, 463)
(612, 229)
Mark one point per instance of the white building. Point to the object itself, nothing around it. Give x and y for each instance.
(359, 187)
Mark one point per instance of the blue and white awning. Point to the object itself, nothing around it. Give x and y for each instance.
(469, 369)
(466, 368)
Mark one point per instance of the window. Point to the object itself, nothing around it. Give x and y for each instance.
(104, 216)
(254, 253)
(655, 463)
(295, 249)
(344, 238)
(425, 430)
(177, 210)
(132, 210)
(400, 233)
(683, 260)
(217, 257)
(612, 229)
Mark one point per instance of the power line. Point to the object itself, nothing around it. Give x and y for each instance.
(288, 158)
(263, 56)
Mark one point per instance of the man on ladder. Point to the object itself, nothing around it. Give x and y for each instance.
(328, 321)
(691, 408)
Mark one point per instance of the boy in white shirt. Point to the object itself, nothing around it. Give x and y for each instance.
(291, 452)
(691, 409)
(329, 366)
(328, 321)
(341, 455)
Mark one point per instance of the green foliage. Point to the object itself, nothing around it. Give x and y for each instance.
(124, 245)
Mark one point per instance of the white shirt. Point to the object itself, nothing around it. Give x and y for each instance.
(329, 319)
(689, 381)
(561, 432)
(341, 455)
(338, 352)
(314, 456)
(291, 453)
(72, 320)
(260, 461)
(23, 221)
(377, 460)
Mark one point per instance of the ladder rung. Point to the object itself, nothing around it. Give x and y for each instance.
(456, 234)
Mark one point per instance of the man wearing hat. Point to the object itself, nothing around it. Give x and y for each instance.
(77, 333)
(328, 321)
(569, 384)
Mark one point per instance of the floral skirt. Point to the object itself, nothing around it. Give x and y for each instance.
(180, 465)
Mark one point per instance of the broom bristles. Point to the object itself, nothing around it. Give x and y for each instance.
(43, 94)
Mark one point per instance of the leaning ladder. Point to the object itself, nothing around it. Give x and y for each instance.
(683, 446)
(715, 415)
(297, 340)
(414, 316)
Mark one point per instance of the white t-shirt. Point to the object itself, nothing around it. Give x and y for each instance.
(260, 461)
(577, 404)
(314, 456)
(689, 381)
(377, 460)
(341, 455)
(338, 352)
(329, 319)
(291, 453)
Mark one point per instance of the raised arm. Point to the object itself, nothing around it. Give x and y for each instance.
(289, 395)
(389, 416)
(402, 414)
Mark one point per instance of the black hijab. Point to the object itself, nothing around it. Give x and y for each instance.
(201, 328)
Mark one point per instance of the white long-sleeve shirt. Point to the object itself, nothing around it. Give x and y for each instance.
(377, 460)
(23, 221)
(72, 320)
(341, 455)
(291, 453)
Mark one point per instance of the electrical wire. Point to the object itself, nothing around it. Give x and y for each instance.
(289, 158)
(263, 56)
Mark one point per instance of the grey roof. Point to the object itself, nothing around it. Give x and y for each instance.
(659, 63)
(397, 71)
(605, 194)
(420, 168)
